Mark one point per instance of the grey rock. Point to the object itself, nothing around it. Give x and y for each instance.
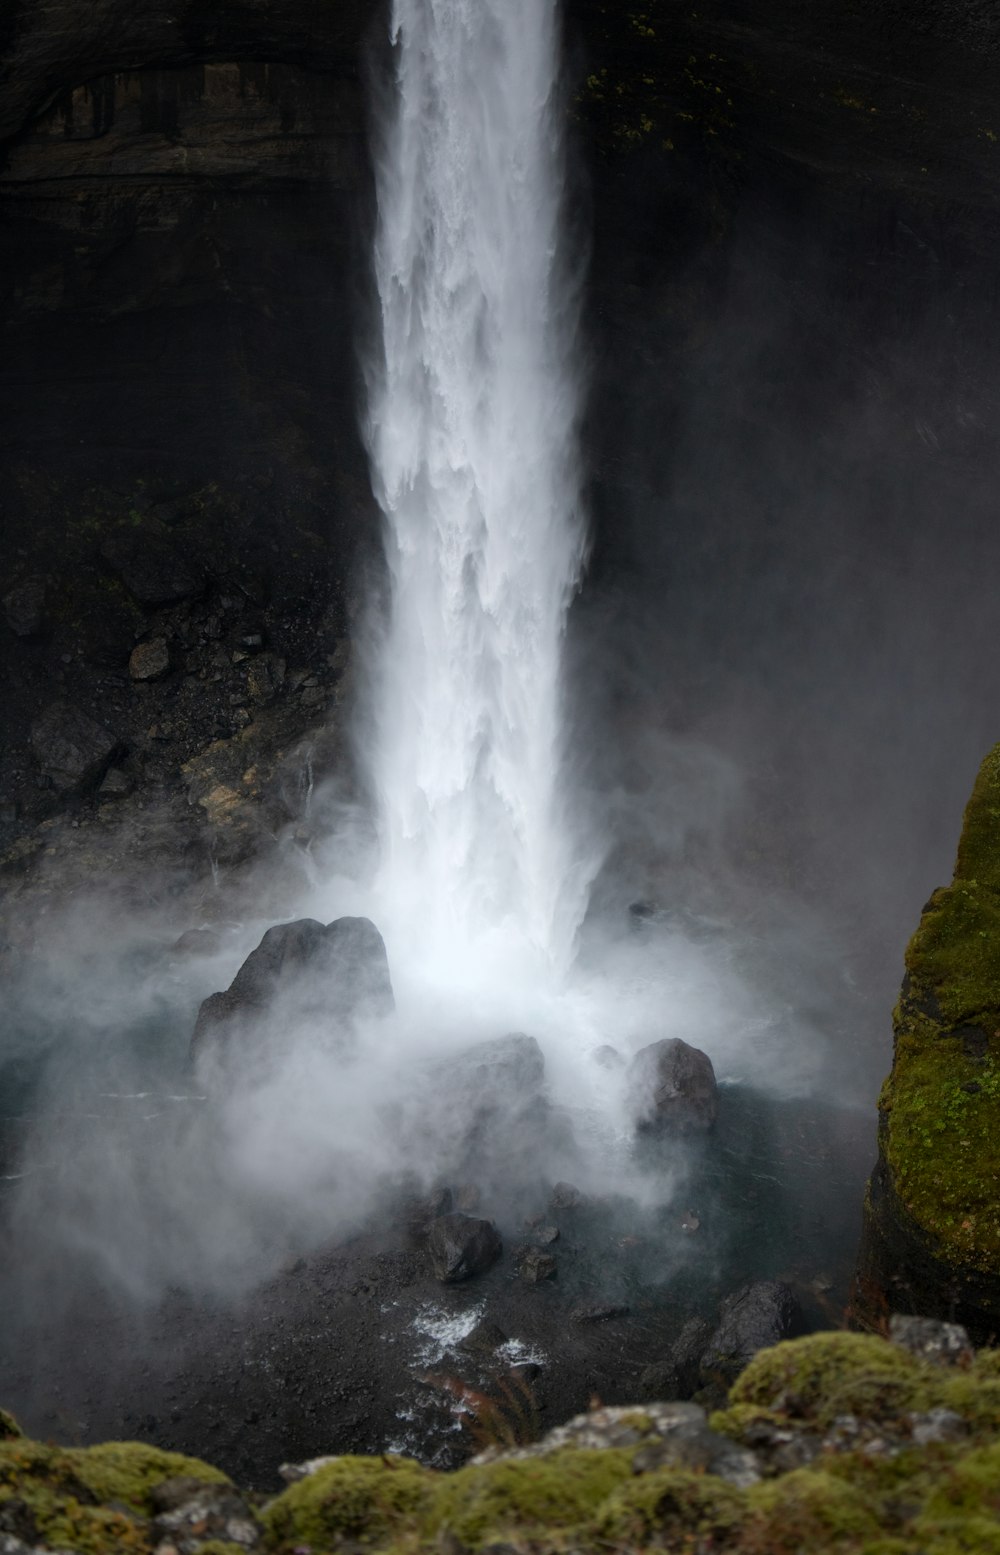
(937, 1425)
(751, 1319)
(663, 1435)
(115, 784)
(485, 1338)
(671, 1086)
(72, 750)
(534, 1265)
(150, 660)
(598, 1312)
(265, 677)
(334, 973)
(462, 1246)
(197, 1512)
(945, 1344)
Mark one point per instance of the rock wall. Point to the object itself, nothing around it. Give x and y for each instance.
(932, 1229)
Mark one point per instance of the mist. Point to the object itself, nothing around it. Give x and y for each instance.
(749, 726)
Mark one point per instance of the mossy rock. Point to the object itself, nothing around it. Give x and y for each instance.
(128, 1471)
(52, 1496)
(808, 1510)
(9, 1427)
(825, 1375)
(357, 1500)
(671, 1507)
(932, 1217)
(483, 1503)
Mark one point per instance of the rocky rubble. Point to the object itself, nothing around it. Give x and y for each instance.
(837, 1442)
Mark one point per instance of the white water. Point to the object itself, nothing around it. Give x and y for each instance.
(472, 419)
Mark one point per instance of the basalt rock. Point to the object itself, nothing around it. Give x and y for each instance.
(672, 1087)
(326, 976)
(462, 1246)
(72, 750)
(931, 1237)
(751, 1319)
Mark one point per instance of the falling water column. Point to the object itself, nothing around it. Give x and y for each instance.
(473, 402)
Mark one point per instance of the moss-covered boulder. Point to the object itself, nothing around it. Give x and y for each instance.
(94, 1500)
(931, 1239)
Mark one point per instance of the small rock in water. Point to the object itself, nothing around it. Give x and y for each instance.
(484, 1338)
(461, 1246)
(598, 1312)
(534, 1265)
(689, 1221)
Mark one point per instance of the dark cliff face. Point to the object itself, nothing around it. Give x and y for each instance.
(50, 48)
(792, 317)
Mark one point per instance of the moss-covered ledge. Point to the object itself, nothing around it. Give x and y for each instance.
(846, 1444)
(931, 1240)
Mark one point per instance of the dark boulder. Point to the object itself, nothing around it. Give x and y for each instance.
(534, 1265)
(72, 750)
(751, 1319)
(671, 1086)
(462, 1246)
(151, 566)
(677, 1374)
(333, 974)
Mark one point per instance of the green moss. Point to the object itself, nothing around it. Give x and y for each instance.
(941, 1104)
(128, 1471)
(8, 1426)
(481, 1503)
(365, 1500)
(806, 1510)
(825, 1375)
(52, 1494)
(669, 1506)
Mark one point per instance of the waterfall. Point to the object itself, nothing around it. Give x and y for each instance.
(472, 418)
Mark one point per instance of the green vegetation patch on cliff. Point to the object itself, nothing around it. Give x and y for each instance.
(941, 1104)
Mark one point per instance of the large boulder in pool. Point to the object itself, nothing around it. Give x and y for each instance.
(931, 1237)
(307, 973)
(672, 1088)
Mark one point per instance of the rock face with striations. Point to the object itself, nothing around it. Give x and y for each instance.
(931, 1239)
(328, 976)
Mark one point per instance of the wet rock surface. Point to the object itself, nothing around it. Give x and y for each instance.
(462, 1246)
(333, 974)
(751, 1319)
(671, 1086)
